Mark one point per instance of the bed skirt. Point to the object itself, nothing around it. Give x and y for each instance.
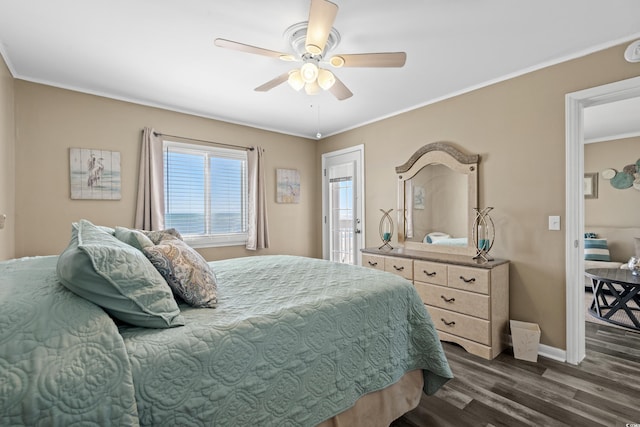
(381, 407)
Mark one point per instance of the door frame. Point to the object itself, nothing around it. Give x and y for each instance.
(359, 151)
(574, 245)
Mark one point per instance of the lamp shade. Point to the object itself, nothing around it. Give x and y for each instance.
(326, 79)
(295, 79)
(312, 88)
(309, 72)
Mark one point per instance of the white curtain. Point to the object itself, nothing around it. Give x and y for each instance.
(150, 203)
(258, 230)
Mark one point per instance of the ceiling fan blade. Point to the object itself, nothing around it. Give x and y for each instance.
(273, 83)
(321, 16)
(248, 48)
(382, 59)
(340, 91)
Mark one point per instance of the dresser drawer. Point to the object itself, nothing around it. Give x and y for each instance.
(454, 300)
(461, 325)
(400, 266)
(469, 279)
(373, 261)
(430, 272)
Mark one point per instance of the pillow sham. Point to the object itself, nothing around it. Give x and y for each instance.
(186, 271)
(135, 238)
(596, 250)
(118, 278)
(637, 240)
(109, 230)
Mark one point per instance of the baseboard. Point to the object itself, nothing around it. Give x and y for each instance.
(548, 352)
(552, 353)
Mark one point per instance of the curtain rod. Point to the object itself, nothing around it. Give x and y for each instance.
(203, 140)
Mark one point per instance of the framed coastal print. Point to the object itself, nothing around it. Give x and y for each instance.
(590, 185)
(288, 186)
(95, 174)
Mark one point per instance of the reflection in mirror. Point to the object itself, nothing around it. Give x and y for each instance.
(436, 195)
(436, 206)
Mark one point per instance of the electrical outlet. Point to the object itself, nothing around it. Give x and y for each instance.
(554, 223)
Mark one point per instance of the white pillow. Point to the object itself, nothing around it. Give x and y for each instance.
(435, 236)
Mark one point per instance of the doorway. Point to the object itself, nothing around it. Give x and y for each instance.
(343, 205)
(574, 246)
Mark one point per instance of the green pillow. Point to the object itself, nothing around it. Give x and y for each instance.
(135, 238)
(117, 277)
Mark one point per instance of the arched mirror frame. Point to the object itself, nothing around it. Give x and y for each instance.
(445, 154)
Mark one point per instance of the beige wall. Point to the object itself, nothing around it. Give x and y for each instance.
(613, 207)
(7, 161)
(518, 128)
(51, 120)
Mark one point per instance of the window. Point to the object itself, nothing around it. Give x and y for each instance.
(205, 190)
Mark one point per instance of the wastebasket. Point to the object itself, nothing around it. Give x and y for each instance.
(525, 338)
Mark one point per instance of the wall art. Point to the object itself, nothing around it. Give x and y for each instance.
(95, 174)
(288, 186)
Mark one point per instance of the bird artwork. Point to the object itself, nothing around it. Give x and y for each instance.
(95, 174)
(94, 170)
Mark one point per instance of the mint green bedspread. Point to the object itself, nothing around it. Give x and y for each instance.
(62, 361)
(292, 342)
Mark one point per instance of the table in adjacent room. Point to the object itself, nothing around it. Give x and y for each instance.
(616, 293)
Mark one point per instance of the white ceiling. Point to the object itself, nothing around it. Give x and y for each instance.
(615, 120)
(161, 52)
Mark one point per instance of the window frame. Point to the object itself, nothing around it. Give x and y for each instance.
(221, 239)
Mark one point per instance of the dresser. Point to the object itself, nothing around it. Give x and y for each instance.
(468, 301)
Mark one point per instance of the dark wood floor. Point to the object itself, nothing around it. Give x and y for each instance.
(604, 390)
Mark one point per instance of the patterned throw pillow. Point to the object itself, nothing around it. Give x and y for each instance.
(157, 236)
(596, 250)
(590, 235)
(186, 272)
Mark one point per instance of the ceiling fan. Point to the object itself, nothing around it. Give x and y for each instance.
(311, 41)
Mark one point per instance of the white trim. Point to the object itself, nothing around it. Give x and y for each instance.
(359, 151)
(552, 353)
(574, 105)
(613, 137)
(548, 351)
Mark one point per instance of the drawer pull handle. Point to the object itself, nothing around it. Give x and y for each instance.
(398, 268)
(372, 264)
(447, 299)
(429, 274)
(473, 279)
(452, 323)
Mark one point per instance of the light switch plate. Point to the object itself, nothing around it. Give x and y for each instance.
(554, 222)
(3, 217)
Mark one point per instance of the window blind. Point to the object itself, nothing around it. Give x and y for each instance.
(205, 190)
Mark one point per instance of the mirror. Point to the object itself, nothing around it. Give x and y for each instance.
(437, 192)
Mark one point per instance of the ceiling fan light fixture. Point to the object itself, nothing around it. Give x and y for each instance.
(326, 79)
(336, 61)
(295, 80)
(313, 49)
(309, 72)
(312, 88)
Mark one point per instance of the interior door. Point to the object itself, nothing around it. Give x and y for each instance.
(342, 210)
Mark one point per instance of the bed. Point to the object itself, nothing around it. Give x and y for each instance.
(292, 341)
